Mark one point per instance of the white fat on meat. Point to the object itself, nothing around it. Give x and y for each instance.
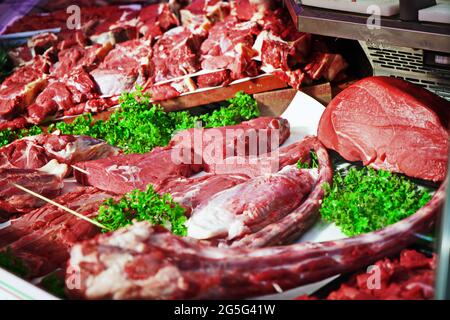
(230, 213)
(55, 168)
(127, 173)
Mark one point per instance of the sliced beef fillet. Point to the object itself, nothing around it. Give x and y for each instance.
(211, 146)
(36, 151)
(126, 66)
(250, 206)
(42, 238)
(124, 173)
(46, 181)
(229, 46)
(191, 192)
(156, 19)
(389, 124)
(148, 262)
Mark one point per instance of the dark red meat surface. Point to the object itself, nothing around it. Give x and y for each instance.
(389, 124)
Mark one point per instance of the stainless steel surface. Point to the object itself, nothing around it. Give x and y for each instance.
(407, 64)
(434, 37)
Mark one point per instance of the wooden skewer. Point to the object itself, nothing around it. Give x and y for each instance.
(79, 169)
(98, 224)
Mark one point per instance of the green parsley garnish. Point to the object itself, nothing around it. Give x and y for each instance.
(139, 126)
(55, 285)
(365, 200)
(312, 163)
(12, 263)
(143, 205)
(7, 136)
(5, 64)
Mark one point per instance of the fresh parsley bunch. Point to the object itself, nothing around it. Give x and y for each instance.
(143, 206)
(365, 200)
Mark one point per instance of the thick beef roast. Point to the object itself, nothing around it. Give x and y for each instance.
(389, 124)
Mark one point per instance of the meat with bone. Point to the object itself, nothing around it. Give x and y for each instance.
(190, 192)
(374, 119)
(211, 146)
(42, 238)
(229, 46)
(126, 66)
(36, 151)
(250, 206)
(124, 173)
(47, 181)
(151, 263)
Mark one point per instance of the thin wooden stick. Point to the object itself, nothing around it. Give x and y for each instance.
(98, 224)
(79, 169)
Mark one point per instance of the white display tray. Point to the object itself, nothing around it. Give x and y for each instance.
(303, 115)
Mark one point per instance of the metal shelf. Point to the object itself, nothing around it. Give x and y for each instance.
(393, 31)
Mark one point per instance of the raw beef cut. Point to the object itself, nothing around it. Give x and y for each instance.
(34, 152)
(267, 163)
(62, 95)
(200, 15)
(229, 46)
(47, 181)
(389, 124)
(126, 66)
(156, 19)
(327, 65)
(408, 277)
(148, 262)
(211, 146)
(252, 205)
(190, 192)
(20, 55)
(20, 89)
(76, 57)
(42, 238)
(124, 173)
(176, 54)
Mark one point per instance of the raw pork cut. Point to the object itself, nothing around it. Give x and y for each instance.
(389, 124)
(148, 262)
(42, 238)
